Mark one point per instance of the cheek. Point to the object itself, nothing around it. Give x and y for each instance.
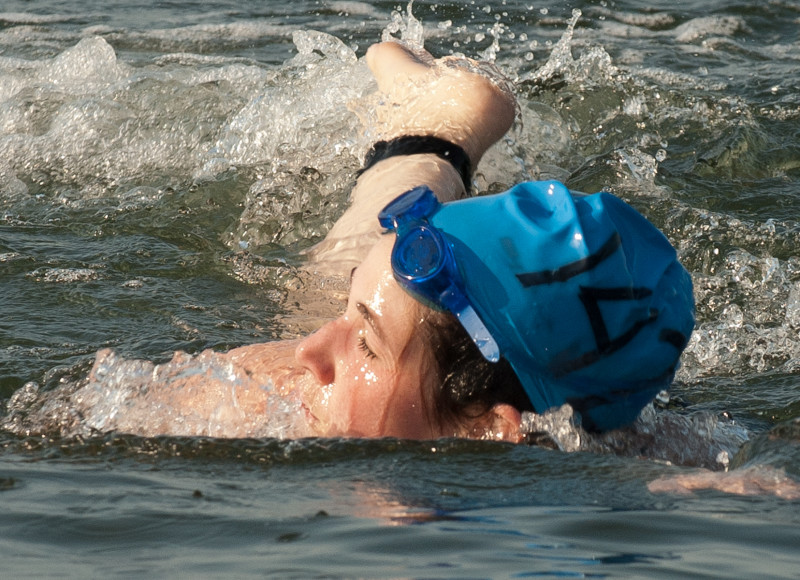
(416, 395)
(394, 404)
(359, 399)
(353, 404)
(368, 375)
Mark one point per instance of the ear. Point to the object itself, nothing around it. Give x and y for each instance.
(505, 423)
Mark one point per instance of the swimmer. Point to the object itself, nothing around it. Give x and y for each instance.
(541, 297)
(465, 313)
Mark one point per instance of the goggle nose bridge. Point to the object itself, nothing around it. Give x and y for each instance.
(416, 205)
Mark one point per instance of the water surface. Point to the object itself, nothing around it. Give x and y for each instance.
(163, 166)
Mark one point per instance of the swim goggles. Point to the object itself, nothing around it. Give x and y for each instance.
(424, 265)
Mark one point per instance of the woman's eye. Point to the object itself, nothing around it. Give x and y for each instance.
(362, 344)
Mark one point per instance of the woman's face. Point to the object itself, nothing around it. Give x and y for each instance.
(371, 364)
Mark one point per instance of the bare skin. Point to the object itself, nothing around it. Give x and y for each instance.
(438, 97)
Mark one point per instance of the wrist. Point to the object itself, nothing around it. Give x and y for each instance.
(392, 176)
(409, 145)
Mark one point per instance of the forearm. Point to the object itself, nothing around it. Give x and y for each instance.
(354, 233)
(246, 392)
(448, 100)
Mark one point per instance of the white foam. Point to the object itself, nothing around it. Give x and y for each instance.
(698, 439)
(239, 32)
(29, 18)
(63, 275)
(187, 396)
(299, 117)
(85, 115)
(12, 187)
(87, 67)
(760, 335)
(355, 8)
(709, 26)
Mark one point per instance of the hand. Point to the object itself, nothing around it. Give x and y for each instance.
(449, 98)
(758, 480)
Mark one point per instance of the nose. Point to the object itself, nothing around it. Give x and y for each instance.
(317, 352)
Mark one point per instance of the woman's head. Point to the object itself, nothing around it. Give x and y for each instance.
(579, 293)
(391, 367)
(370, 362)
(582, 296)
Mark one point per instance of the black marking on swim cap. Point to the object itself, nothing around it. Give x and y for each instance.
(674, 337)
(572, 269)
(606, 346)
(591, 296)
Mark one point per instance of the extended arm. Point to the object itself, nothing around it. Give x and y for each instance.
(447, 98)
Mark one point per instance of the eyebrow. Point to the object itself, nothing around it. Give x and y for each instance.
(371, 319)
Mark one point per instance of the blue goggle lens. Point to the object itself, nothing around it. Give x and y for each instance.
(418, 254)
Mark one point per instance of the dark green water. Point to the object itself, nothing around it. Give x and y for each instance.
(163, 165)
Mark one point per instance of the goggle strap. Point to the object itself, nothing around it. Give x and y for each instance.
(478, 332)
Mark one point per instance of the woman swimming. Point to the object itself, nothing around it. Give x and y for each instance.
(468, 312)
(542, 297)
(559, 298)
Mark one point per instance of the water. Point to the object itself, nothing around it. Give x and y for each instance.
(163, 166)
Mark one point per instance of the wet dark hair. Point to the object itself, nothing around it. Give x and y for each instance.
(468, 385)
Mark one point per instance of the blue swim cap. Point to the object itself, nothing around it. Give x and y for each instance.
(580, 293)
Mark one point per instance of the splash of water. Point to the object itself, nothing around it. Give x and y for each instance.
(747, 297)
(409, 29)
(301, 118)
(593, 63)
(201, 395)
(698, 439)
